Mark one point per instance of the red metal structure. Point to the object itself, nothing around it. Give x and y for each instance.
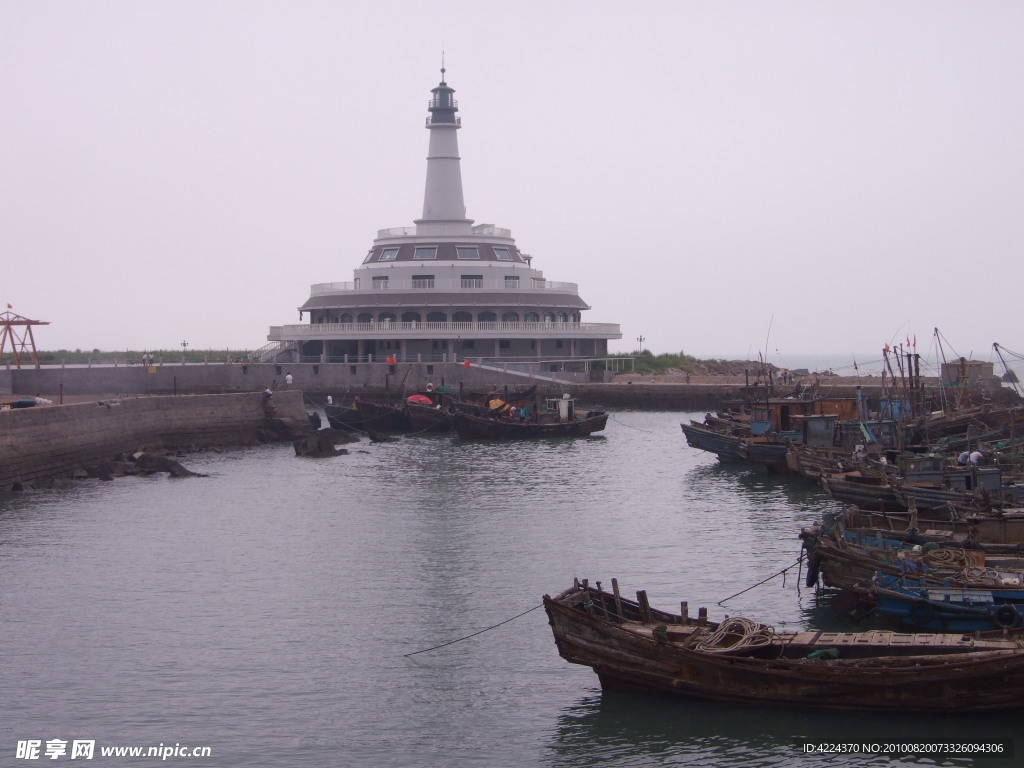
(18, 330)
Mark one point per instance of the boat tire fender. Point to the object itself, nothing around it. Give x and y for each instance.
(1005, 616)
(921, 612)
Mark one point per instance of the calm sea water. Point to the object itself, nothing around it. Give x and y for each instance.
(267, 611)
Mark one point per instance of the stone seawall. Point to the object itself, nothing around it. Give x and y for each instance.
(53, 441)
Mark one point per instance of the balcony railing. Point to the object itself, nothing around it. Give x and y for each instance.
(455, 284)
(418, 330)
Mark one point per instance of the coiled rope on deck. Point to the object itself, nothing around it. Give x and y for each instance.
(737, 633)
(486, 629)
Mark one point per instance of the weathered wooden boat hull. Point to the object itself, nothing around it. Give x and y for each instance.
(470, 427)
(867, 493)
(948, 609)
(1005, 529)
(383, 418)
(725, 446)
(638, 649)
(769, 454)
(344, 417)
(428, 418)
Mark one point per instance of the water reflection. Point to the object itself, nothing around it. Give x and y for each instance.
(615, 728)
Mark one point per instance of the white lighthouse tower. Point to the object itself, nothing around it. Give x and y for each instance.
(444, 211)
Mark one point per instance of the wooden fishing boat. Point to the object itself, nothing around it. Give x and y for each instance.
(632, 646)
(383, 417)
(724, 444)
(344, 416)
(922, 605)
(558, 418)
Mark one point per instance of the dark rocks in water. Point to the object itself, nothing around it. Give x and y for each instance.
(339, 436)
(380, 437)
(148, 463)
(318, 445)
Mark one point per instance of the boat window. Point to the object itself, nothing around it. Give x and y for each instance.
(380, 283)
(389, 254)
(422, 281)
(467, 252)
(502, 254)
(368, 257)
(425, 252)
(472, 281)
(511, 281)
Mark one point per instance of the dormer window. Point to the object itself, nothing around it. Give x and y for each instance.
(425, 252)
(502, 254)
(389, 254)
(368, 257)
(467, 252)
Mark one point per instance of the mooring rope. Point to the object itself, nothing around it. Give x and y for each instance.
(780, 573)
(488, 629)
(638, 429)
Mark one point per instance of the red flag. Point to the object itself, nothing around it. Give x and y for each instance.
(9, 305)
(915, 341)
(466, 363)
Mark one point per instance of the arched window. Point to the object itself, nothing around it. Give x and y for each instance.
(549, 317)
(365, 317)
(563, 318)
(437, 317)
(386, 317)
(487, 317)
(531, 317)
(462, 317)
(510, 317)
(411, 317)
(346, 318)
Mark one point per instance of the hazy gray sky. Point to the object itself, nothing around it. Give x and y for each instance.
(719, 177)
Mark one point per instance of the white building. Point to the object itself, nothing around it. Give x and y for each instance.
(444, 290)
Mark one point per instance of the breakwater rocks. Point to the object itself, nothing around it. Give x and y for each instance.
(40, 444)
